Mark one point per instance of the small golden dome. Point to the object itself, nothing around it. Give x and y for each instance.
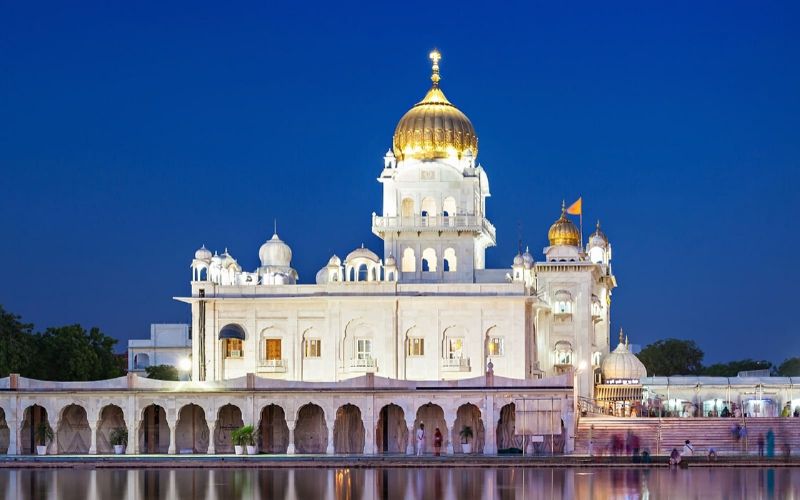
(563, 231)
(434, 128)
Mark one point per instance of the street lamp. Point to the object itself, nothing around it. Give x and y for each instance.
(185, 366)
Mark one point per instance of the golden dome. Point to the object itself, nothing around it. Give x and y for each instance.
(563, 231)
(434, 128)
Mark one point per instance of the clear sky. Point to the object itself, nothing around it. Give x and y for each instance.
(133, 132)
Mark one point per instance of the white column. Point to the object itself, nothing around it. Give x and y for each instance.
(133, 438)
(212, 445)
(490, 427)
(411, 437)
(290, 450)
(52, 448)
(13, 436)
(330, 450)
(172, 429)
(450, 420)
(369, 437)
(93, 441)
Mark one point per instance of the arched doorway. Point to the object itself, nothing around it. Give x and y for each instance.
(391, 434)
(34, 416)
(191, 430)
(111, 418)
(311, 432)
(432, 416)
(229, 418)
(154, 431)
(507, 440)
(274, 435)
(468, 415)
(5, 435)
(348, 430)
(73, 434)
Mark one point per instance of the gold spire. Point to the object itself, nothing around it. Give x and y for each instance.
(435, 56)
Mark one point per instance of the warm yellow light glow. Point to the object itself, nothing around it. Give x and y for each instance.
(185, 364)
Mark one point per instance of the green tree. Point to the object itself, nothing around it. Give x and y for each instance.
(789, 368)
(732, 368)
(162, 372)
(672, 357)
(16, 344)
(72, 353)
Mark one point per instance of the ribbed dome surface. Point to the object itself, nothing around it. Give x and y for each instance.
(564, 231)
(621, 364)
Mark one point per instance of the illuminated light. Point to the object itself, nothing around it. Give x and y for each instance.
(185, 364)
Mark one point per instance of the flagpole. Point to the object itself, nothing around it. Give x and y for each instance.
(581, 221)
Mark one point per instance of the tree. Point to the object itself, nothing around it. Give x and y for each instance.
(672, 357)
(789, 368)
(732, 368)
(16, 344)
(71, 353)
(162, 372)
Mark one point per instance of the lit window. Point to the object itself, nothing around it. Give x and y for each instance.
(273, 349)
(496, 346)
(416, 347)
(455, 347)
(233, 348)
(363, 349)
(313, 348)
(564, 357)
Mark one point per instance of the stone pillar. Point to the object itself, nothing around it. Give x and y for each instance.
(450, 420)
(290, 448)
(52, 447)
(411, 437)
(330, 450)
(490, 427)
(172, 429)
(133, 437)
(369, 437)
(14, 442)
(212, 442)
(93, 441)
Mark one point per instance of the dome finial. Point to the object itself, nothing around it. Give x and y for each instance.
(435, 57)
(620, 335)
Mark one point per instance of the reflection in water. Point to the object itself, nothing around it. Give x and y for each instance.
(400, 483)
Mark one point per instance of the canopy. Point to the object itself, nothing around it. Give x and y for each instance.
(231, 331)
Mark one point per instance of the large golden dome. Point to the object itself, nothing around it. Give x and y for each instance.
(563, 231)
(434, 128)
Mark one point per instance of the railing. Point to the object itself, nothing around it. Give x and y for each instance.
(588, 406)
(363, 364)
(272, 365)
(459, 364)
(433, 223)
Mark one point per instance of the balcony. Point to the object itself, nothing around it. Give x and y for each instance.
(366, 365)
(455, 364)
(438, 223)
(272, 366)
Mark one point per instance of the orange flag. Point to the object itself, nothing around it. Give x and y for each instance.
(576, 208)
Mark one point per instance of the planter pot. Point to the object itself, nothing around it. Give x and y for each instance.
(238, 449)
(251, 450)
(466, 447)
(119, 449)
(41, 450)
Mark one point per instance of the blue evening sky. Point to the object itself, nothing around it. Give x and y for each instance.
(133, 132)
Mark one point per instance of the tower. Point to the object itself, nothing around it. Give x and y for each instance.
(434, 195)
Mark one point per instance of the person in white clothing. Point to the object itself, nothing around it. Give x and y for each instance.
(688, 449)
(421, 440)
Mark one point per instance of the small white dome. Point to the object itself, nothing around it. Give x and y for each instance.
(598, 238)
(227, 259)
(216, 259)
(518, 260)
(362, 253)
(322, 276)
(203, 253)
(275, 252)
(334, 261)
(621, 364)
(390, 261)
(527, 259)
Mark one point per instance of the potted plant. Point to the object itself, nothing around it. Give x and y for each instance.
(466, 434)
(238, 440)
(119, 439)
(244, 437)
(250, 439)
(44, 434)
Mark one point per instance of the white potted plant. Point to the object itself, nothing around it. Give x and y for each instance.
(466, 434)
(44, 434)
(250, 439)
(238, 439)
(119, 439)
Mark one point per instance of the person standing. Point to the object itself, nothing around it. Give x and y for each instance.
(688, 449)
(437, 442)
(421, 440)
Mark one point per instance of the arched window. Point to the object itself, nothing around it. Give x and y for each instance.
(362, 273)
(407, 207)
(449, 207)
(409, 261)
(563, 353)
(450, 261)
(563, 302)
(429, 260)
(428, 207)
(141, 361)
(597, 307)
(596, 358)
(232, 337)
(352, 274)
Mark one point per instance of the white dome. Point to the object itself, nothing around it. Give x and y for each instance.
(322, 276)
(334, 261)
(227, 259)
(598, 238)
(518, 260)
(362, 253)
(216, 259)
(527, 259)
(275, 253)
(621, 364)
(203, 253)
(390, 261)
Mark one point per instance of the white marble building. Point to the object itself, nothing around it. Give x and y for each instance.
(169, 344)
(427, 308)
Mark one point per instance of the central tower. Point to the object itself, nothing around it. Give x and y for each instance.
(434, 195)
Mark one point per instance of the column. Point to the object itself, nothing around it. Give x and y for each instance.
(93, 441)
(212, 442)
(290, 448)
(13, 436)
(52, 447)
(490, 427)
(369, 437)
(411, 437)
(450, 420)
(133, 438)
(330, 450)
(172, 429)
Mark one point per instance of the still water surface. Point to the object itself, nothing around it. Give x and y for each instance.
(399, 483)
